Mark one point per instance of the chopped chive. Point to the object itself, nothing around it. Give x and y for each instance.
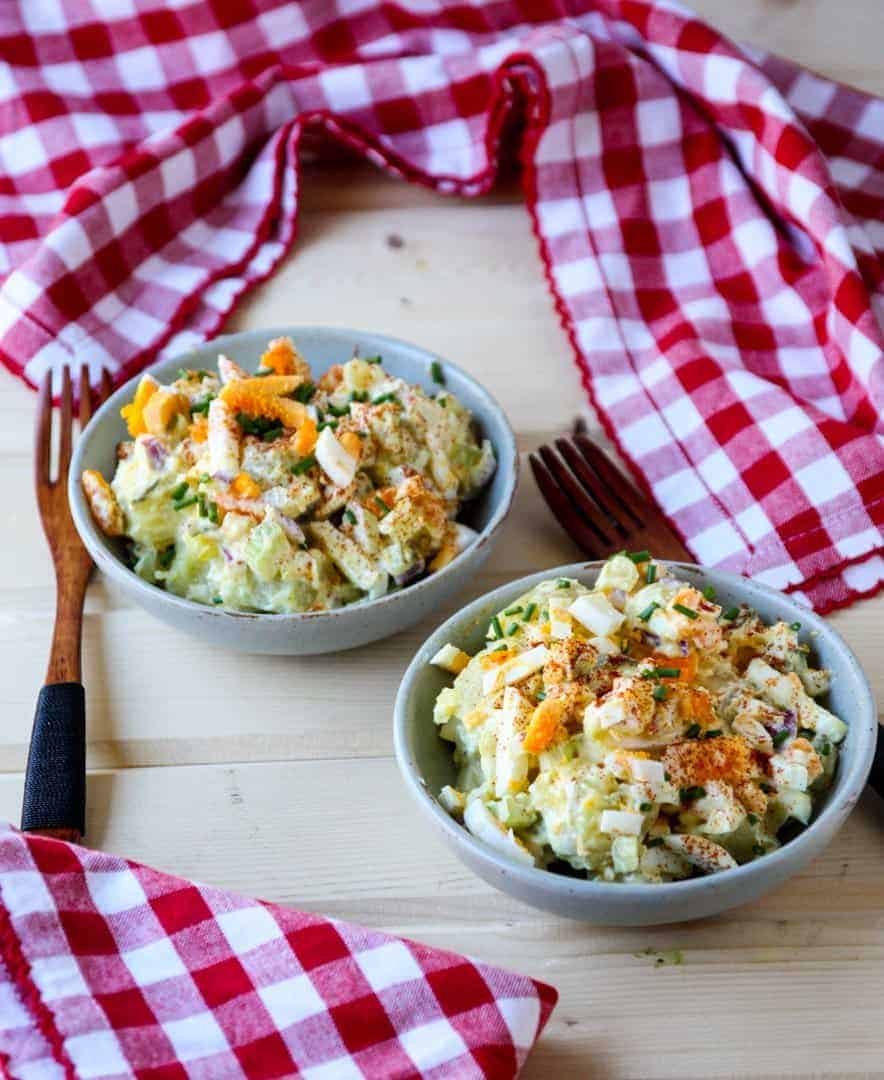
(359, 395)
(374, 359)
(688, 794)
(213, 513)
(666, 672)
(709, 592)
(217, 599)
(666, 777)
(205, 478)
(337, 410)
(179, 491)
(202, 406)
(659, 692)
(304, 465)
(496, 627)
(164, 559)
(563, 583)
(693, 731)
(796, 626)
(752, 819)
(381, 398)
(645, 807)
(758, 849)
(305, 392)
(500, 648)
(327, 424)
(529, 612)
(512, 630)
(381, 505)
(443, 402)
(541, 695)
(825, 747)
(638, 556)
(712, 733)
(272, 433)
(654, 841)
(686, 611)
(513, 611)
(651, 573)
(350, 516)
(730, 614)
(806, 732)
(203, 505)
(779, 737)
(649, 611)
(184, 503)
(437, 373)
(183, 373)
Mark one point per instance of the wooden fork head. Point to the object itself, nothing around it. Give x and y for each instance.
(71, 560)
(597, 506)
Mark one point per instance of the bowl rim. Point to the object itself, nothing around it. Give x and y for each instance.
(842, 798)
(115, 568)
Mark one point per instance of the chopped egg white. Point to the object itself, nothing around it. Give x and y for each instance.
(452, 659)
(334, 460)
(597, 614)
(621, 822)
(485, 826)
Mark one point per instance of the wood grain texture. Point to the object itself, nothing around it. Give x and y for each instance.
(274, 776)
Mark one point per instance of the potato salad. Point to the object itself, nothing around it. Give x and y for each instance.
(636, 731)
(275, 492)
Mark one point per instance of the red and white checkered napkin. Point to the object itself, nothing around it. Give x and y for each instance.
(110, 969)
(712, 222)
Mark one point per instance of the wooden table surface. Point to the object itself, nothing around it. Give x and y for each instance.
(275, 776)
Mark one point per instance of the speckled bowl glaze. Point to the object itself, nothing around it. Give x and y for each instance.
(311, 632)
(427, 766)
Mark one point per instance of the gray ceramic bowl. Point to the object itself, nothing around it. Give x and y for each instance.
(426, 764)
(311, 632)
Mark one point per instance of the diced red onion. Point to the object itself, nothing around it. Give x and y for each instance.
(788, 722)
(411, 574)
(650, 639)
(292, 529)
(155, 451)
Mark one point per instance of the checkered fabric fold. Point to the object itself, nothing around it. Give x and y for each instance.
(710, 219)
(110, 969)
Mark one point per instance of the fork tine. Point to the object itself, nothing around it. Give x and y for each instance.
(66, 428)
(43, 435)
(107, 385)
(591, 485)
(575, 494)
(85, 410)
(613, 480)
(562, 510)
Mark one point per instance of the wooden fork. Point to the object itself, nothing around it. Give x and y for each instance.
(597, 506)
(54, 802)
